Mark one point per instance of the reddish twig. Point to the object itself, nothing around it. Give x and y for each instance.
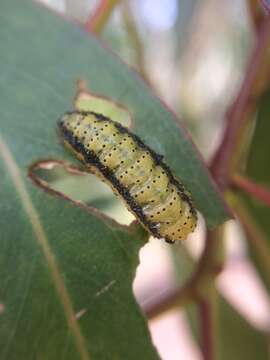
(101, 15)
(257, 191)
(209, 265)
(257, 239)
(256, 12)
(199, 289)
(170, 299)
(257, 72)
(135, 38)
(206, 310)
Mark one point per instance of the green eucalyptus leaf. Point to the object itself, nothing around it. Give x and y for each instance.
(66, 272)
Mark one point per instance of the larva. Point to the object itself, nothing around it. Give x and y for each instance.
(134, 171)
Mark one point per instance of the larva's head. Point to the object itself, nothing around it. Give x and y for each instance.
(76, 126)
(70, 122)
(87, 131)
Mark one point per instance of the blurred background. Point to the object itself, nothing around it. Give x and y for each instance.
(193, 54)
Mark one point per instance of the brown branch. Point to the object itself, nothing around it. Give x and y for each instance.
(207, 322)
(258, 240)
(257, 74)
(209, 265)
(257, 191)
(199, 289)
(96, 22)
(138, 46)
(256, 12)
(169, 300)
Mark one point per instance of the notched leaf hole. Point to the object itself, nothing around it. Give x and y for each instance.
(86, 100)
(81, 188)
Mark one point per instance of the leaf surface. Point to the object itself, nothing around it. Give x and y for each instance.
(59, 262)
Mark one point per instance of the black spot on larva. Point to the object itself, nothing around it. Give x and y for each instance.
(93, 158)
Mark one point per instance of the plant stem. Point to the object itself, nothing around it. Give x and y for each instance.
(207, 322)
(257, 73)
(257, 191)
(209, 265)
(96, 22)
(255, 236)
(138, 46)
(256, 12)
(169, 300)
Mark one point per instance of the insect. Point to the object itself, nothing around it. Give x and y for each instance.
(134, 171)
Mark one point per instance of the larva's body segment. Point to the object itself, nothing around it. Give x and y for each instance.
(134, 171)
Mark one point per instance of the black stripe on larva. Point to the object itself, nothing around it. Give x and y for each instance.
(91, 158)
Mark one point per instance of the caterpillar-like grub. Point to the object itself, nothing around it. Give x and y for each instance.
(134, 171)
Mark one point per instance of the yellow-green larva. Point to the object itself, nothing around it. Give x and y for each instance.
(134, 171)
